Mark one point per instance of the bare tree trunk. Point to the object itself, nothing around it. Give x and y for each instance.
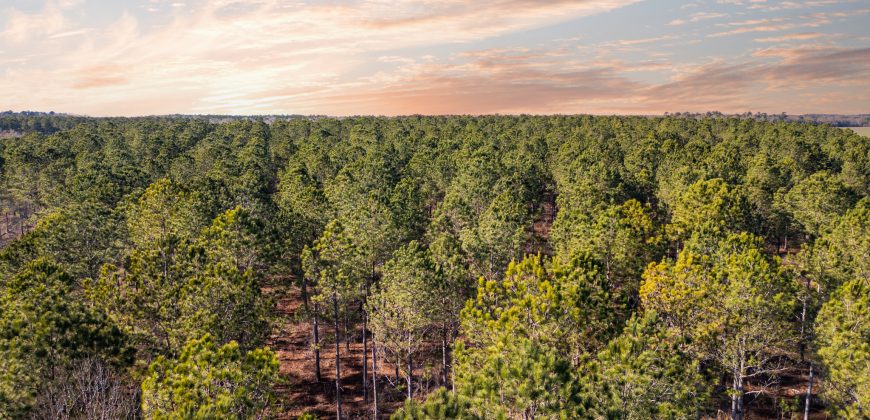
(809, 395)
(453, 335)
(802, 342)
(365, 315)
(452, 379)
(398, 362)
(23, 218)
(410, 368)
(734, 398)
(305, 293)
(346, 335)
(337, 359)
(803, 339)
(737, 384)
(737, 399)
(365, 359)
(444, 357)
(375, 376)
(317, 342)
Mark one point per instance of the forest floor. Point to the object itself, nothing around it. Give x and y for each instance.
(12, 227)
(299, 391)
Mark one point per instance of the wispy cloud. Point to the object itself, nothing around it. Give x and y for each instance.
(421, 56)
(803, 36)
(697, 17)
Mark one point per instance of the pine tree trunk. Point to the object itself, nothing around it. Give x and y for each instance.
(337, 359)
(802, 344)
(398, 362)
(365, 315)
(365, 361)
(809, 395)
(737, 384)
(737, 402)
(453, 364)
(375, 377)
(346, 335)
(317, 342)
(734, 398)
(444, 358)
(305, 293)
(740, 404)
(23, 217)
(410, 368)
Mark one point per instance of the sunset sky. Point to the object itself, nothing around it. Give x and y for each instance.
(111, 57)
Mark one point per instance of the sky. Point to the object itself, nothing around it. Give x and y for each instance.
(375, 57)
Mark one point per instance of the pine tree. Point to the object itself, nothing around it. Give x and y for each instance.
(339, 269)
(844, 348)
(439, 405)
(817, 201)
(646, 373)
(518, 378)
(567, 306)
(734, 305)
(403, 305)
(45, 327)
(210, 381)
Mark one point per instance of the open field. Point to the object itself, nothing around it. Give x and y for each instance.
(864, 131)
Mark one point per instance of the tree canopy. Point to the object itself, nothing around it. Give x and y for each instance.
(531, 266)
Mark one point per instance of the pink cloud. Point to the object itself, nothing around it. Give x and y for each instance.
(374, 56)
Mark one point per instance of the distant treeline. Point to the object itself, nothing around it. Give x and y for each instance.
(835, 120)
(17, 123)
(51, 122)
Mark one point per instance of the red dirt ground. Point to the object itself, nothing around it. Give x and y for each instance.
(300, 392)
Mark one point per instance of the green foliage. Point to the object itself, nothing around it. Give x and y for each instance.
(710, 209)
(518, 378)
(162, 312)
(238, 238)
(843, 253)
(623, 238)
(303, 202)
(210, 381)
(734, 306)
(235, 201)
(335, 263)
(80, 236)
(817, 201)
(172, 289)
(163, 214)
(45, 327)
(735, 290)
(568, 307)
(439, 405)
(499, 235)
(844, 347)
(402, 306)
(645, 373)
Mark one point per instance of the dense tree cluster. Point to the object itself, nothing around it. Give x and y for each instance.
(516, 267)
